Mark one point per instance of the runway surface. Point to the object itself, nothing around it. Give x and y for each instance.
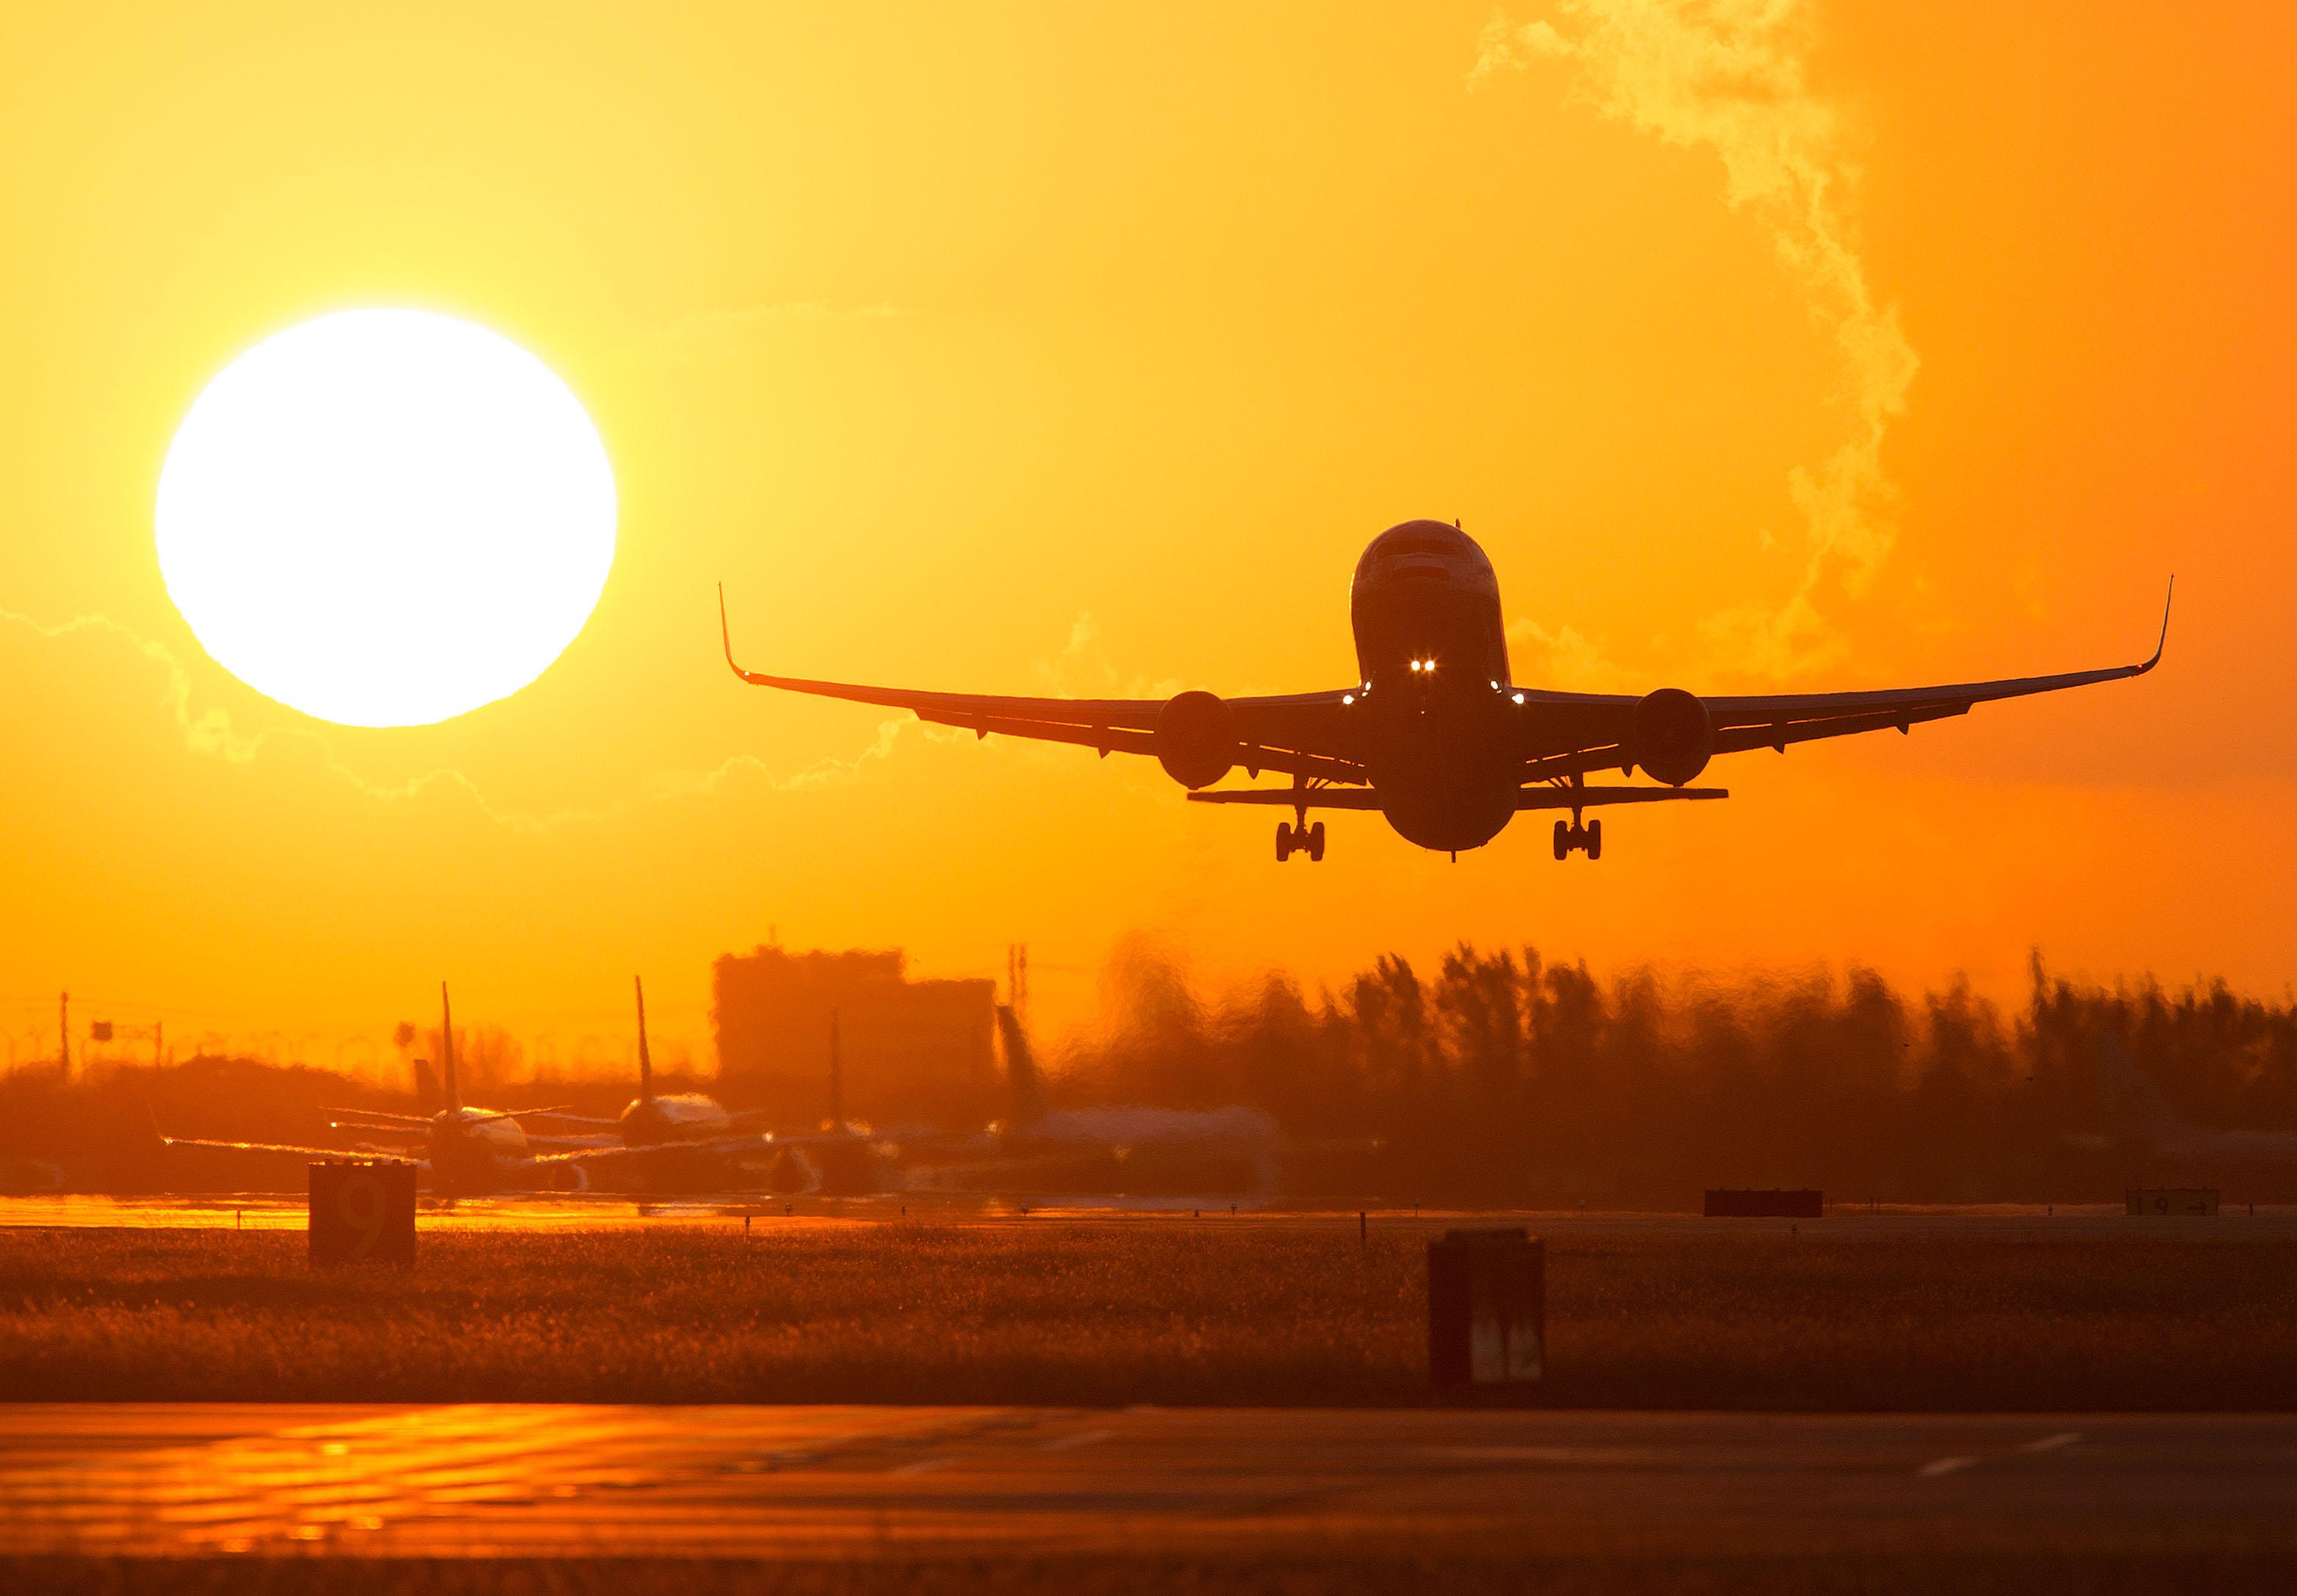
(810, 1483)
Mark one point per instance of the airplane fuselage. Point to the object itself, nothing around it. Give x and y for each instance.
(473, 1150)
(685, 1117)
(1437, 727)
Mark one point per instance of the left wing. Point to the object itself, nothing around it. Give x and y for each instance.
(273, 1147)
(1581, 732)
(1300, 733)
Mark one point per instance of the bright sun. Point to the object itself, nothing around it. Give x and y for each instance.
(386, 517)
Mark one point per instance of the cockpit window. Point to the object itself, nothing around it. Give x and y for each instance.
(1415, 546)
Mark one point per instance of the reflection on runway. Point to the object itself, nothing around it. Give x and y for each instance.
(810, 1481)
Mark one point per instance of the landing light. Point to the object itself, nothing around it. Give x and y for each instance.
(1519, 698)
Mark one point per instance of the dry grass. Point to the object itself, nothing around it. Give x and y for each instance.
(1127, 1312)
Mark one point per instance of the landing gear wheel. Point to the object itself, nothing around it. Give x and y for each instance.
(1595, 843)
(1562, 840)
(1316, 842)
(1283, 841)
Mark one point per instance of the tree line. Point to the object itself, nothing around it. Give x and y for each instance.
(1507, 1077)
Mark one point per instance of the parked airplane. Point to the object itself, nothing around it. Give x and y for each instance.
(466, 1150)
(2142, 1123)
(682, 1141)
(1114, 1151)
(1435, 736)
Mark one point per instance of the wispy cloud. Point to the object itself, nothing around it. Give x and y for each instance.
(1084, 669)
(211, 732)
(1564, 658)
(1732, 75)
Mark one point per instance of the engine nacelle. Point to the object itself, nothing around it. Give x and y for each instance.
(1195, 739)
(1671, 736)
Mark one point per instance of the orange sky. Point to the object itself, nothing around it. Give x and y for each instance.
(1017, 348)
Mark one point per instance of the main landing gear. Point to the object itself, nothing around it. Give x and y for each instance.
(1302, 838)
(1572, 837)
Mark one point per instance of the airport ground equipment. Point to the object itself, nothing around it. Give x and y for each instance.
(1735, 1203)
(1487, 1309)
(2172, 1202)
(362, 1211)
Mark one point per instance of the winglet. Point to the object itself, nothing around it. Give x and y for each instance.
(726, 636)
(2163, 641)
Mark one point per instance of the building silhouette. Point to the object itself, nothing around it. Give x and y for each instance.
(910, 1052)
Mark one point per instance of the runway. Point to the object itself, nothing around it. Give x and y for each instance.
(809, 1483)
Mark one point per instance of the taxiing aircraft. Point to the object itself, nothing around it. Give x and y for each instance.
(2142, 1124)
(669, 1140)
(1435, 735)
(466, 1150)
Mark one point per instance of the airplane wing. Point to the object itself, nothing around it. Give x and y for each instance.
(1583, 732)
(1300, 733)
(1564, 736)
(715, 1146)
(273, 1147)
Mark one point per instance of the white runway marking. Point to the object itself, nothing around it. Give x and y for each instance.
(1070, 1442)
(923, 1466)
(2052, 1442)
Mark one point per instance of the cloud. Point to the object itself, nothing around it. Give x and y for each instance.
(1731, 77)
(711, 336)
(1084, 669)
(210, 732)
(1563, 658)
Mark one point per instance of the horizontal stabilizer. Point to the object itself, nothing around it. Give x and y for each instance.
(1294, 798)
(1596, 797)
(1540, 797)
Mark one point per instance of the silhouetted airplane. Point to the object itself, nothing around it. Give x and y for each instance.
(670, 1141)
(2141, 1123)
(1435, 735)
(472, 1150)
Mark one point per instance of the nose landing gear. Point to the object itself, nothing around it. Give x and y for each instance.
(1572, 837)
(1302, 838)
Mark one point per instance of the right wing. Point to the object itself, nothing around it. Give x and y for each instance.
(1578, 733)
(1299, 733)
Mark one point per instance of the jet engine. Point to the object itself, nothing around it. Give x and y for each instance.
(1195, 739)
(1671, 736)
(569, 1177)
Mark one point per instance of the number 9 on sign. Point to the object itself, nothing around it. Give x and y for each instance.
(362, 1211)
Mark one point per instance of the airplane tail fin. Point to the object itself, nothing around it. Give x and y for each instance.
(426, 1085)
(2133, 1105)
(645, 1062)
(836, 1078)
(453, 1096)
(1021, 1078)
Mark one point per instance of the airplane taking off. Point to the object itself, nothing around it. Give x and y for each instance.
(1435, 735)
